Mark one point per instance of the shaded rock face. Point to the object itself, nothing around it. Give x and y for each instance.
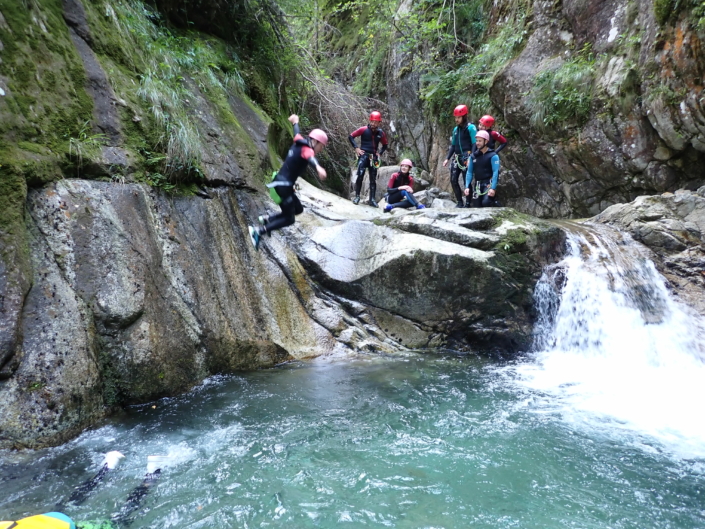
(673, 227)
(634, 141)
(136, 296)
(644, 131)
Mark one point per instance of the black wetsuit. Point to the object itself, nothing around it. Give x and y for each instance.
(299, 157)
(483, 175)
(461, 144)
(396, 197)
(369, 142)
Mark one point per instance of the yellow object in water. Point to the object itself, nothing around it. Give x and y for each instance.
(50, 520)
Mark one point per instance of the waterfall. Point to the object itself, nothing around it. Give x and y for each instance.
(614, 348)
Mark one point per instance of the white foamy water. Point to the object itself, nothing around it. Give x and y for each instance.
(615, 349)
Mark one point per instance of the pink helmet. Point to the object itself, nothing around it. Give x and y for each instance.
(487, 121)
(460, 110)
(483, 134)
(375, 116)
(319, 136)
(406, 161)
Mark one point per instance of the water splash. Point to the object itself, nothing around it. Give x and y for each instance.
(614, 347)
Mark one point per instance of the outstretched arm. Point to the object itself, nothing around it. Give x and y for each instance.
(294, 119)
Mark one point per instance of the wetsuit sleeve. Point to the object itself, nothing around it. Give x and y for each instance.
(384, 143)
(308, 154)
(495, 171)
(411, 182)
(473, 134)
(468, 174)
(297, 130)
(499, 139)
(354, 135)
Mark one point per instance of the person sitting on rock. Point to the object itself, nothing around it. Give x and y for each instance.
(401, 189)
(486, 123)
(483, 173)
(370, 138)
(461, 146)
(302, 154)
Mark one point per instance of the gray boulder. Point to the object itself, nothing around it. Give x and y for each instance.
(672, 225)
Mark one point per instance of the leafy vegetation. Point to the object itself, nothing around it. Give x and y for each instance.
(562, 96)
(85, 144)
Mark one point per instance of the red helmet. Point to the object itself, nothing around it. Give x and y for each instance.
(375, 116)
(487, 121)
(406, 161)
(483, 134)
(319, 136)
(460, 110)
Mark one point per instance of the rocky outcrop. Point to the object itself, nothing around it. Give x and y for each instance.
(672, 225)
(458, 279)
(137, 294)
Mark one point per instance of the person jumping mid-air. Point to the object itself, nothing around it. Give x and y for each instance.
(461, 146)
(302, 154)
(370, 138)
(483, 173)
(401, 189)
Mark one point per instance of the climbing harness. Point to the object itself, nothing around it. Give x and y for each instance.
(278, 183)
(458, 163)
(476, 194)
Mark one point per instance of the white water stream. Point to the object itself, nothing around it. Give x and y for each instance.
(615, 349)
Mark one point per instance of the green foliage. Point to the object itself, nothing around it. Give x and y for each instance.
(167, 63)
(668, 10)
(85, 144)
(471, 82)
(562, 96)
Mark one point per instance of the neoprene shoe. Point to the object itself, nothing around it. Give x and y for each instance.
(372, 203)
(388, 208)
(356, 200)
(263, 219)
(420, 206)
(460, 204)
(254, 237)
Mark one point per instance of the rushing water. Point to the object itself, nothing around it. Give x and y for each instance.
(602, 427)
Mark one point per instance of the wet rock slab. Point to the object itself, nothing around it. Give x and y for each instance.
(672, 225)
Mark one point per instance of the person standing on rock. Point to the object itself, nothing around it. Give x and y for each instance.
(401, 189)
(368, 157)
(302, 154)
(483, 173)
(486, 123)
(461, 146)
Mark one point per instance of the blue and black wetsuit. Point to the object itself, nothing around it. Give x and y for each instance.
(483, 175)
(300, 156)
(369, 142)
(461, 144)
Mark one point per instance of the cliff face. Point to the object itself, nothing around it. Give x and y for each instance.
(602, 102)
(132, 158)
